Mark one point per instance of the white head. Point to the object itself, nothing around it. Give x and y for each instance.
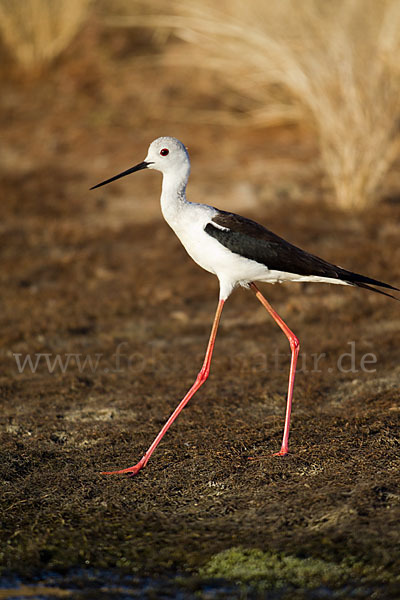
(165, 154)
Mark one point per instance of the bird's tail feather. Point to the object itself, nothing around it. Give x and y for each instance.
(367, 283)
(362, 279)
(374, 289)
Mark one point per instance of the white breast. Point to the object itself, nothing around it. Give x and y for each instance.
(230, 268)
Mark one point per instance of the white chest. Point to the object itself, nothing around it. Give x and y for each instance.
(188, 222)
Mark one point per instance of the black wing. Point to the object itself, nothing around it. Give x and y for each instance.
(252, 240)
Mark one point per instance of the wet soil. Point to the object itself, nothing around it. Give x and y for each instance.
(100, 278)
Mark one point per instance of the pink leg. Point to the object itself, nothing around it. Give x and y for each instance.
(201, 378)
(295, 347)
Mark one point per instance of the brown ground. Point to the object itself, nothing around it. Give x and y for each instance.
(84, 272)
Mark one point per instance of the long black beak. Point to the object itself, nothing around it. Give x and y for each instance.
(139, 167)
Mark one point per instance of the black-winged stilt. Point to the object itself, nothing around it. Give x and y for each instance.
(239, 252)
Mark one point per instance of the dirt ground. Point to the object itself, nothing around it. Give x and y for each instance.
(100, 275)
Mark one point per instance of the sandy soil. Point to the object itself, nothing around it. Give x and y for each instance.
(99, 274)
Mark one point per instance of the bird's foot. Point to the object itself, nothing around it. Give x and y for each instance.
(282, 452)
(130, 470)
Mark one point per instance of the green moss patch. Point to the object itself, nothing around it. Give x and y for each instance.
(277, 570)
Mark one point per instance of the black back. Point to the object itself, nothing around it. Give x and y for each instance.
(253, 241)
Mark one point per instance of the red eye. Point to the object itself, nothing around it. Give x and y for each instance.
(164, 152)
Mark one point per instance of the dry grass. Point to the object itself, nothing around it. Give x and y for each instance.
(339, 61)
(36, 31)
(335, 64)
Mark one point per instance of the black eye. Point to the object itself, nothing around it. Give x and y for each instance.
(164, 152)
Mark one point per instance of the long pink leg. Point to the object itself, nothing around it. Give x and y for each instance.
(201, 378)
(295, 347)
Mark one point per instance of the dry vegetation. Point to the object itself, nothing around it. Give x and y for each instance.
(333, 64)
(86, 274)
(36, 31)
(338, 61)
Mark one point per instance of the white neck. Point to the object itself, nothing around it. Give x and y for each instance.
(173, 197)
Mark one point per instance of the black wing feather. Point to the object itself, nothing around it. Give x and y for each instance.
(251, 240)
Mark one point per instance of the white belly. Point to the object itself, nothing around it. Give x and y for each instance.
(230, 268)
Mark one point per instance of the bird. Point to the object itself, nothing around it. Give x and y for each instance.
(240, 252)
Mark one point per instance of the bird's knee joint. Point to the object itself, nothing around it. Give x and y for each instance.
(203, 374)
(294, 343)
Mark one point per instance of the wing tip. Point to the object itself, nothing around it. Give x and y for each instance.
(374, 289)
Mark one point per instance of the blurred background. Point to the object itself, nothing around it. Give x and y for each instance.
(303, 96)
(290, 111)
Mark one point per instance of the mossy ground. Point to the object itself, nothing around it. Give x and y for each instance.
(269, 570)
(100, 274)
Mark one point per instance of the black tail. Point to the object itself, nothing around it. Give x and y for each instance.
(368, 283)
